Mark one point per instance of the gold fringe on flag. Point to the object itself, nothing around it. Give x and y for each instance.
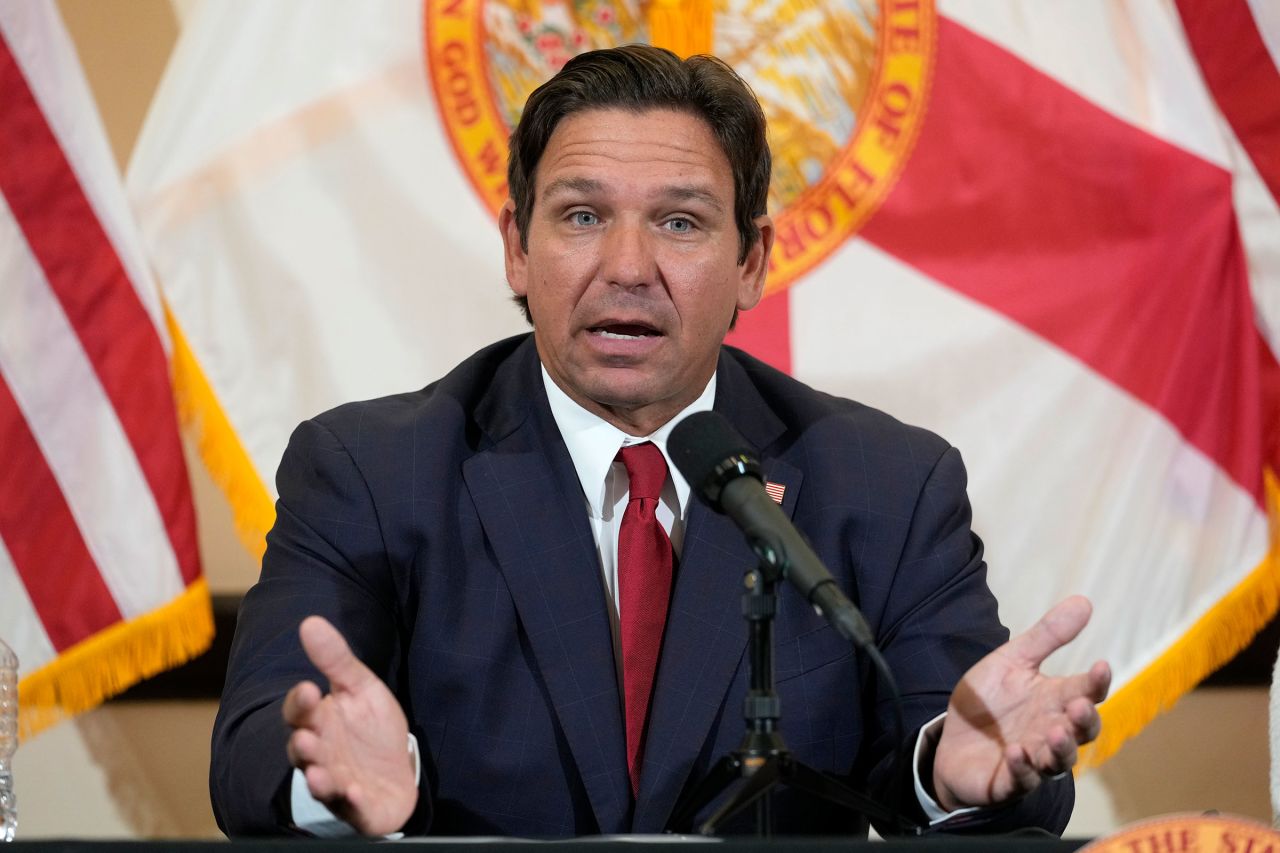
(684, 27)
(115, 659)
(1212, 641)
(203, 418)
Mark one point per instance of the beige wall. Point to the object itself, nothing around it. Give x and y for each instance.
(140, 769)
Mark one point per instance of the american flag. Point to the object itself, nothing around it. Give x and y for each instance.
(100, 581)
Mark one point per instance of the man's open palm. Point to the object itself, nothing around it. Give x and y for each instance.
(1008, 725)
(352, 744)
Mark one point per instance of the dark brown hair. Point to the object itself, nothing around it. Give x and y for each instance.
(640, 77)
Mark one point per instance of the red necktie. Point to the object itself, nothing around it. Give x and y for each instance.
(644, 590)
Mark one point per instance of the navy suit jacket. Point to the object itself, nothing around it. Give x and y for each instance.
(444, 533)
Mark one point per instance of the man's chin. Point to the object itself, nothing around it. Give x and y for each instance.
(622, 392)
(621, 397)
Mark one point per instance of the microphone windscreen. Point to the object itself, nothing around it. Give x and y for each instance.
(701, 444)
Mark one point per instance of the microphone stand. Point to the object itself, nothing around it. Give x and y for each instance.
(763, 761)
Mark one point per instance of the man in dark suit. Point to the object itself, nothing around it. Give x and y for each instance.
(471, 549)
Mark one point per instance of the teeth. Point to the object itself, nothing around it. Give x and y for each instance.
(617, 337)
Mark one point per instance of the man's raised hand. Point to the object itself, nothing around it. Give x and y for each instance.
(1009, 726)
(352, 744)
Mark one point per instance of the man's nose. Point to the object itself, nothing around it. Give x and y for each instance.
(628, 255)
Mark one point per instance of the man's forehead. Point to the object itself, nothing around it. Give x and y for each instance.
(589, 148)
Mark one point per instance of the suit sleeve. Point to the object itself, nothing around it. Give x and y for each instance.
(936, 619)
(325, 556)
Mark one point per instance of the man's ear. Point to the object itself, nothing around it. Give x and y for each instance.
(513, 253)
(755, 267)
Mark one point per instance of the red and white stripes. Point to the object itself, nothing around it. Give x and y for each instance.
(96, 517)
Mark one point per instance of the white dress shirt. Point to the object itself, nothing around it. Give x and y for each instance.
(593, 445)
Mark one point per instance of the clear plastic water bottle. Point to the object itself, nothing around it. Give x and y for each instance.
(8, 740)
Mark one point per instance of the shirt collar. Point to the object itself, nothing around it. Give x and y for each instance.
(594, 442)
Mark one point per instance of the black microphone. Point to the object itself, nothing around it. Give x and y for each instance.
(723, 469)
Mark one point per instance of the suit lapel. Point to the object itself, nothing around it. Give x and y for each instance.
(705, 636)
(530, 503)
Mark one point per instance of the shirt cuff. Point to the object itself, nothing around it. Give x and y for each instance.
(313, 817)
(928, 738)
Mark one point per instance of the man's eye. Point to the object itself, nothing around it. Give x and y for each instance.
(680, 225)
(583, 218)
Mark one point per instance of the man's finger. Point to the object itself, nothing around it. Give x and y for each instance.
(303, 748)
(1024, 773)
(330, 654)
(1082, 685)
(1100, 678)
(322, 785)
(1059, 626)
(1059, 754)
(299, 703)
(1085, 721)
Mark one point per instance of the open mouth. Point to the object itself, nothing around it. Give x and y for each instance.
(625, 331)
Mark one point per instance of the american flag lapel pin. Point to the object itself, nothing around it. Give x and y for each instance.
(775, 491)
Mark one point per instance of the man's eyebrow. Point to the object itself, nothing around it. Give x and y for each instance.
(694, 193)
(588, 186)
(571, 186)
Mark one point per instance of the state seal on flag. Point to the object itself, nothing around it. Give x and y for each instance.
(844, 86)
